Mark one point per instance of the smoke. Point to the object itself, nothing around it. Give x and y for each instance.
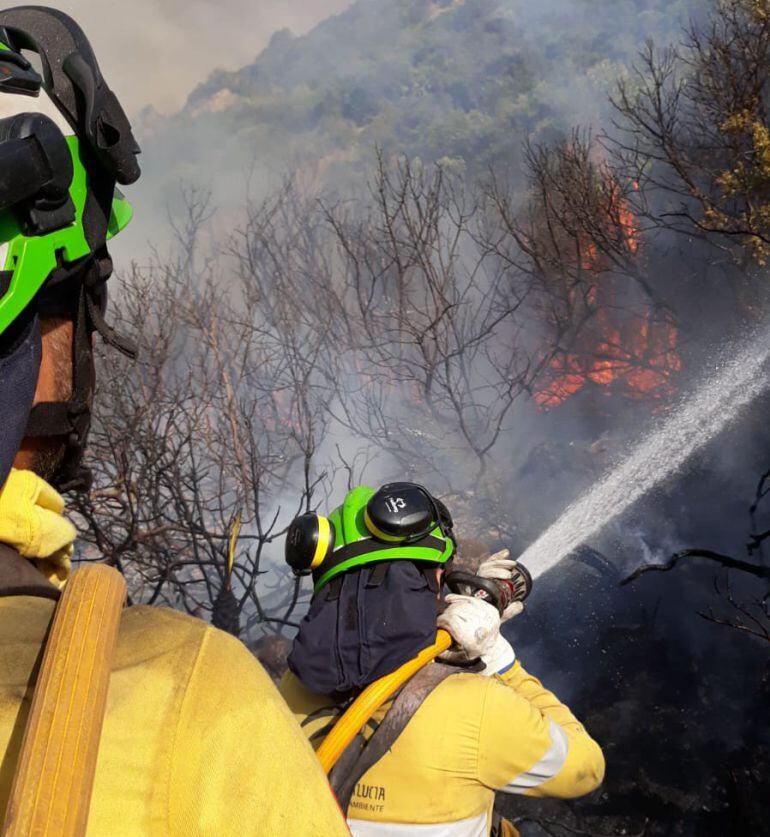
(154, 53)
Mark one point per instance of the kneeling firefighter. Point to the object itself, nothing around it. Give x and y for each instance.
(162, 723)
(430, 760)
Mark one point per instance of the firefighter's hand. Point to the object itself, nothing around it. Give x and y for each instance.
(475, 628)
(32, 523)
(501, 565)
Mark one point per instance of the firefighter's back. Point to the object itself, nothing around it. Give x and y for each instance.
(196, 739)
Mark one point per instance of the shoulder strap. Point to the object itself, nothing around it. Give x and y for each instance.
(360, 754)
(51, 791)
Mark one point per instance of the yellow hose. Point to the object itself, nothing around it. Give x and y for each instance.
(55, 772)
(372, 697)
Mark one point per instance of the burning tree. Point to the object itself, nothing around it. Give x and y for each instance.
(692, 129)
(632, 241)
(580, 241)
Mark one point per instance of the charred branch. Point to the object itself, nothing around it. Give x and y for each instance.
(723, 560)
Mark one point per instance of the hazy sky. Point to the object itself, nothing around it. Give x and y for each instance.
(156, 51)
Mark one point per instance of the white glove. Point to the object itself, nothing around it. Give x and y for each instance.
(501, 565)
(475, 627)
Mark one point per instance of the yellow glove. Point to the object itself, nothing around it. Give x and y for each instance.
(31, 522)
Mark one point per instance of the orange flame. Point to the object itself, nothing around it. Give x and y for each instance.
(638, 358)
(634, 353)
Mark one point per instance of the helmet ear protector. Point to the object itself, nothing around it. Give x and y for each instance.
(404, 512)
(401, 520)
(38, 170)
(309, 542)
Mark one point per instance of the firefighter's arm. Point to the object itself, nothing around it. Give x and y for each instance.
(240, 764)
(530, 742)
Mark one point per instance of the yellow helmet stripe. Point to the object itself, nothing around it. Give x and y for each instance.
(322, 546)
(378, 533)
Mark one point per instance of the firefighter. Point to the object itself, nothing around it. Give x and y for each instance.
(377, 563)
(196, 739)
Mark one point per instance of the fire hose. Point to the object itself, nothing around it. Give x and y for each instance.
(372, 697)
(54, 776)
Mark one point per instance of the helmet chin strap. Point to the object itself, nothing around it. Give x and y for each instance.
(77, 293)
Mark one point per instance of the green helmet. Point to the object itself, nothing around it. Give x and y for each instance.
(58, 202)
(400, 521)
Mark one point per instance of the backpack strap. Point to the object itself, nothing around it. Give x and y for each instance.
(51, 790)
(361, 754)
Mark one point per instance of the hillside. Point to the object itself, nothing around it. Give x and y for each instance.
(461, 79)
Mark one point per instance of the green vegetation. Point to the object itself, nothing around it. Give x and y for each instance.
(464, 79)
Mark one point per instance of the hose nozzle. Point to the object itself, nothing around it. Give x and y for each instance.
(497, 591)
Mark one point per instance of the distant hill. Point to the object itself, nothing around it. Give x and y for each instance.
(460, 79)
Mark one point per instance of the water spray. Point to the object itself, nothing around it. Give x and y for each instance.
(662, 452)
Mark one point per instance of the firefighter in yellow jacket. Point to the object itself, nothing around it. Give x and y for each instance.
(196, 739)
(378, 564)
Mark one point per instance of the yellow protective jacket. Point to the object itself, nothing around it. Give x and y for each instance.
(472, 736)
(196, 739)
